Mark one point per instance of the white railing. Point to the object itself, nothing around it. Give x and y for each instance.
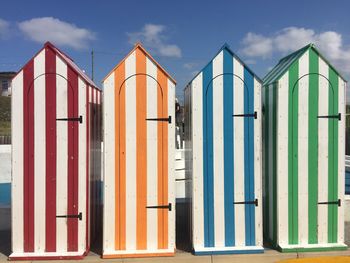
(347, 161)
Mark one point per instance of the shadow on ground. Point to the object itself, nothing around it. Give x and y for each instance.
(5, 242)
(347, 233)
(183, 227)
(5, 231)
(183, 242)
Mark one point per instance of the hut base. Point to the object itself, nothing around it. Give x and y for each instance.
(312, 247)
(140, 253)
(228, 250)
(47, 256)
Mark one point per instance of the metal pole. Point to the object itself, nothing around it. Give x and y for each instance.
(92, 64)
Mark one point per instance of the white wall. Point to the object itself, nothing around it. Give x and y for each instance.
(5, 177)
(5, 163)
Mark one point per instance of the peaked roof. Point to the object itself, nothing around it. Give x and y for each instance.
(66, 59)
(138, 45)
(227, 47)
(71, 63)
(284, 64)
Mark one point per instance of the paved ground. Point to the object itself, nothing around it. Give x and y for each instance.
(267, 257)
(339, 259)
(183, 257)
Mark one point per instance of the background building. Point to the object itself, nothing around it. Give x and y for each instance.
(5, 83)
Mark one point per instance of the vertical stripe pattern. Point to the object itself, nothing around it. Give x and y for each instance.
(18, 218)
(62, 154)
(218, 151)
(141, 157)
(308, 143)
(239, 154)
(225, 152)
(153, 131)
(50, 158)
(249, 157)
(228, 123)
(293, 90)
(51, 148)
(323, 109)
(303, 119)
(72, 205)
(163, 175)
(208, 156)
(136, 169)
(282, 160)
(28, 158)
(39, 153)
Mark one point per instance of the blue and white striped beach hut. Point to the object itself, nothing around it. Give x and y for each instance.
(223, 156)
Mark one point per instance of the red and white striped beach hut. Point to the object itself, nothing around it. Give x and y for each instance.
(55, 111)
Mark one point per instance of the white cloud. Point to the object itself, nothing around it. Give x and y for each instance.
(44, 29)
(257, 45)
(4, 28)
(292, 38)
(190, 65)
(250, 61)
(152, 36)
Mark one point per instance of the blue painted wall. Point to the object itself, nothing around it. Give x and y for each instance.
(5, 194)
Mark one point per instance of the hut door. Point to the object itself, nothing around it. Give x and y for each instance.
(314, 162)
(142, 204)
(51, 165)
(328, 201)
(229, 163)
(68, 120)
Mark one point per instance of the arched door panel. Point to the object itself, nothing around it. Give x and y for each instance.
(229, 161)
(141, 155)
(51, 174)
(313, 158)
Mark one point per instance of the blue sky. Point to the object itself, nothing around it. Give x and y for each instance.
(182, 35)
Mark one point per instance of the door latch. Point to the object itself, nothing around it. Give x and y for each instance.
(255, 202)
(331, 203)
(160, 119)
(79, 216)
(337, 116)
(79, 119)
(160, 206)
(255, 115)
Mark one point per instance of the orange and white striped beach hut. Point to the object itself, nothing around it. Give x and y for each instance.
(139, 139)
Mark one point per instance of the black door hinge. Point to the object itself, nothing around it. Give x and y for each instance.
(160, 119)
(160, 206)
(255, 115)
(337, 116)
(331, 203)
(79, 119)
(255, 202)
(79, 216)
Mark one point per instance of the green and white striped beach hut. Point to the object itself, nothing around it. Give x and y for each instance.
(304, 151)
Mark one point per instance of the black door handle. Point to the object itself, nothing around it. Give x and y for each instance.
(160, 119)
(160, 206)
(255, 202)
(79, 119)
(79, 216)
(337, 116)
(331, 203)
(255, 115)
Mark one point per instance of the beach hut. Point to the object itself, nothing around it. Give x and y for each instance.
(223, 156)
(304, 150)
(51, 152)
(139, 138)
